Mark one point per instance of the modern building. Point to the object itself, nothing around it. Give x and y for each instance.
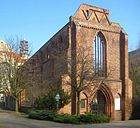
(90, 27)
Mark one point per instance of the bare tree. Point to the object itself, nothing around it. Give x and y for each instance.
(80, 72)
(134, 69)
(138, 46)
(13, 81)
(135, 74)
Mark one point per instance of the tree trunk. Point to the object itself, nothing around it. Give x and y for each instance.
(78, 103)
(16, 105)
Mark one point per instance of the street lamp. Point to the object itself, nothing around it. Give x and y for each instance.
(57, 98)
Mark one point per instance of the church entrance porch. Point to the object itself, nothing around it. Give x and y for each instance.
(98, 104)
(103, 102)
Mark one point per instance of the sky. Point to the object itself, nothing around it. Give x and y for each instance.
(38, 20)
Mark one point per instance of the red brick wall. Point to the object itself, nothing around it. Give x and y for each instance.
(81, 31)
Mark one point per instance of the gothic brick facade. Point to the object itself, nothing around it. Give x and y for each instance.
(115, 94)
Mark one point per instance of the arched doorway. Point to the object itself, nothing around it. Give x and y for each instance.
(103, 102)
(99, 103)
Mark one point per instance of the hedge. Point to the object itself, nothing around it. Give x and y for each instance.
(65, 118)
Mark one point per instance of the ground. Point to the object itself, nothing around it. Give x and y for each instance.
(10, 119)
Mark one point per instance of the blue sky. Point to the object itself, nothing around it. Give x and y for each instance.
(39, 20)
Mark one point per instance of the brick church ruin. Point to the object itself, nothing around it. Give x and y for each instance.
(90, 27)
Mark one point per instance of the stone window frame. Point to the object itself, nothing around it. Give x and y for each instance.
(83, 103)
(99, 55)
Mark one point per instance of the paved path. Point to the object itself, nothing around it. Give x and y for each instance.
(11, 120)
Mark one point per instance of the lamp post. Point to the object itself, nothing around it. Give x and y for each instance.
(57, 98)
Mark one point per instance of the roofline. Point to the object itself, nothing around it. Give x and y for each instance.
(95, 6)
(48, 42)
(133, 51)
(91, 7)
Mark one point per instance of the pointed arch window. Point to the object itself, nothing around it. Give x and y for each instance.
(99, 55)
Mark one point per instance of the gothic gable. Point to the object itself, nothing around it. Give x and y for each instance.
(93, 14)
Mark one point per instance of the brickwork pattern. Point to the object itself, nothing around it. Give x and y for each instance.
(81, 30)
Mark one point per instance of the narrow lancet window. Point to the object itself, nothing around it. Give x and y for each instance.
(99, 55)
